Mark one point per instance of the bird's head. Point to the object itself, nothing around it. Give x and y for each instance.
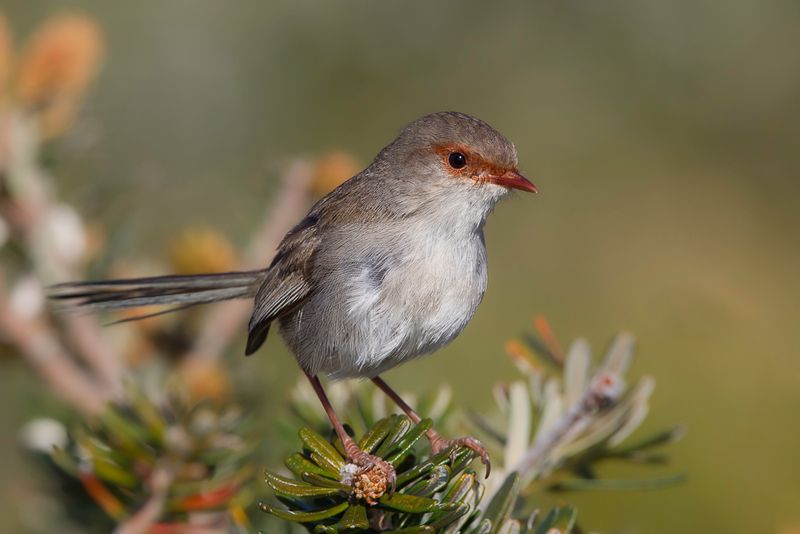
(452, 152)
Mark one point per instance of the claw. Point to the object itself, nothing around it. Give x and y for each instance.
(439, 444)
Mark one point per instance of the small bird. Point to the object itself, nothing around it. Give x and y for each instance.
(387, 267)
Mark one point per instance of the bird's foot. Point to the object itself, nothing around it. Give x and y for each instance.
(368, 475)
(439, 444)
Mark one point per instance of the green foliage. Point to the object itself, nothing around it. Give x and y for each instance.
(179, 457)
(434, 494)
(431, 493)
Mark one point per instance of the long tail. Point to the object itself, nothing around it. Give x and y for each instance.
(179, 291)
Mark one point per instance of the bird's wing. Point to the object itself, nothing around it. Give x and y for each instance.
(287, 282)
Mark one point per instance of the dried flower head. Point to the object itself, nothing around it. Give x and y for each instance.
(56, 67)
(370, 485)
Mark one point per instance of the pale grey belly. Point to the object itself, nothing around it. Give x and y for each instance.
(371, 318)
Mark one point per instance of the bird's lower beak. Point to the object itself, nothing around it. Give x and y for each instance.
(513, 180)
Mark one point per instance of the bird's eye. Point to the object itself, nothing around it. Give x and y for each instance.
(457, 160)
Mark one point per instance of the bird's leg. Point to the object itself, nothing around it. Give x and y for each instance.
(438, 443)
(374, 475)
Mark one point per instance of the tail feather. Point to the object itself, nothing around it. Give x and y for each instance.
(181, 290)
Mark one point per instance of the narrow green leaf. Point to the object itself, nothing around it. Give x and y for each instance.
(405, 444)
(667, 436)
(448, 518)
(354, 517)
(547, 522)
(412, 530)
(66, 462)
(433, 483)
(125, 433)
(304, 517)
(324, 482)
(562, 519)
(500, 506)
(459, 489)
(111, 472)
(462, 459)
(565, 519)
(322, 452)
(542, 350)
(415, 472)
(298, 464)
(375, 435)
(414, 504)
(97, 447)
(147, 412)
(400, 425)
(295, 489)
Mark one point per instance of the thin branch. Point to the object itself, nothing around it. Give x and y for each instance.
(37, 344)
(227, 319)
(84, 332)
(603, 392)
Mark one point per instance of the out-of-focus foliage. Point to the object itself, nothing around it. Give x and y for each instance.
(567, 416)
(191, 463)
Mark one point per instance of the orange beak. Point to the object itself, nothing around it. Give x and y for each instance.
(513, 180)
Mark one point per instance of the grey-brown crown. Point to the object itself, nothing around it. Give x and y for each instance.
(451, 127)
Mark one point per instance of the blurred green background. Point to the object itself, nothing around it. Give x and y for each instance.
(664, 137)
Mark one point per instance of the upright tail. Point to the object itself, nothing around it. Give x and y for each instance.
(178, 291)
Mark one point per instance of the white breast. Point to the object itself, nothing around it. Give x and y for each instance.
(426, 298)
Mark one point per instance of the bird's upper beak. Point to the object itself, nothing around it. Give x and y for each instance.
(513, 180)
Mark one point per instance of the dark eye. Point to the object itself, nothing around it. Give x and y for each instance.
(457, 160)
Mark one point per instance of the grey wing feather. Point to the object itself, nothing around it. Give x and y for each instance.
(274, 297)
(287, 283)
